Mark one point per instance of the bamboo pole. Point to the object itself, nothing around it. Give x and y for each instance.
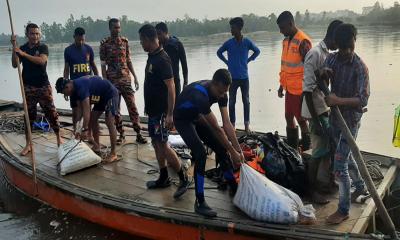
(28, 131)
(387, 221)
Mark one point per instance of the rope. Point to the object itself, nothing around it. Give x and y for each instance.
(374, 169)
(12, 123)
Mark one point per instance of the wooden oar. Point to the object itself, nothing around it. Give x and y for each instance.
(28, 131)
(387, 221)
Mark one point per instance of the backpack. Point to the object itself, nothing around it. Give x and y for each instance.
(281, 163)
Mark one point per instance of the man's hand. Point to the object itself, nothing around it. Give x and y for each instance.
(18, 51)
(169, 122)
(324, 73)
(236, 157)
(280, 92)
(332, 100)
(136, 82)
(13, 40)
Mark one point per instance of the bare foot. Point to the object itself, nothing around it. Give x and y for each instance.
(25, 151)
(111, 158)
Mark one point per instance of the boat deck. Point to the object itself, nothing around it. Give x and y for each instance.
(126, 180)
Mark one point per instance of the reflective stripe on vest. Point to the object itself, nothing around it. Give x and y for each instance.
(292, 68)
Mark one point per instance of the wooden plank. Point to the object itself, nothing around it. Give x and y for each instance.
(362, 224)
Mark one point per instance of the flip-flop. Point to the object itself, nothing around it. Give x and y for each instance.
(116, 159)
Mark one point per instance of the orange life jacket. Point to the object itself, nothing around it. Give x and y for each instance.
(292, 69)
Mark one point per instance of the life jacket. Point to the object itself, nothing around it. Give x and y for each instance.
(292, 68)
(396, 129)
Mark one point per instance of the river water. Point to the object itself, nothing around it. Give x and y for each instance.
(379, 47)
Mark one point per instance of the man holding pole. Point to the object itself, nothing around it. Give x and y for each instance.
(33, 56)
(349, 81)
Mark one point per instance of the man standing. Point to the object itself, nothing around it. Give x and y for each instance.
(197, 124)
(84, 92)
(315, 109)
(350, 91)
(79, 61)
(159, 99)
(116, 66)
(176, 52)
(295, 47)
(33, 56)
(238, 58)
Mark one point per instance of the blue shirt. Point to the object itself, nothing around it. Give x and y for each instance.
(95, 87)
(79, 60)
(238, 56)
(350, 79)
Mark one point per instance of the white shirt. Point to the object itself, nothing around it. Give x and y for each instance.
(313, 61)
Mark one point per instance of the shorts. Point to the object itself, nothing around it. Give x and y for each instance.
(293, 106)
(157, 130)
(108, 106)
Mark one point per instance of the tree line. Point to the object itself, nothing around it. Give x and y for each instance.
(187, 26)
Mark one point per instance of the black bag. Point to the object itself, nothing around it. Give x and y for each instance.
(281, 163)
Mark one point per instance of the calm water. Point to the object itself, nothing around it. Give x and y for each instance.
(378, 47)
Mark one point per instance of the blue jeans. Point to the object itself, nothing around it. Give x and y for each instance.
(243, 84)
(345, 168)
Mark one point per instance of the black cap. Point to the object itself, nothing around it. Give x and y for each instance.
(60, 84)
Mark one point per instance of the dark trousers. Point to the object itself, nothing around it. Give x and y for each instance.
(194, 136)
(243, 84)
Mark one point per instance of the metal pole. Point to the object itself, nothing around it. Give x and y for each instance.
(28, 131)
(387, 221)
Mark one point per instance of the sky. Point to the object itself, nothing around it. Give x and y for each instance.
(39, 11)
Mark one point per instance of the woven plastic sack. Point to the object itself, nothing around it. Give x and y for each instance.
(266, 201)
(75, 155)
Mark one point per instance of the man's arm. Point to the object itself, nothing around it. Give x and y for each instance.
(130, 66)
(229, 129)
(305, 46)
(76, 116)
(220, 53)
(93, 64)
(182, 58)
(85, 108)
(171, 101)
(94, 68)
(255, 49)
(66, 70)
(39, 60)
(103, 57)
(14, 56)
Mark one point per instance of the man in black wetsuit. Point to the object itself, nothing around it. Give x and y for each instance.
(197, 124)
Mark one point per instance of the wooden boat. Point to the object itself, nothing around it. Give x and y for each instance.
(114, 195)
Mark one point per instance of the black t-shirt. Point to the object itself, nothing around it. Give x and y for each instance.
(195, 99)
(158, 69)
(33, 74)
(176, 52)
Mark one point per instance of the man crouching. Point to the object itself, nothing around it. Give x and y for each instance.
(104, 96)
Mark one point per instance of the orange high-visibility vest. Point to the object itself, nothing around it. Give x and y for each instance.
(292, 69)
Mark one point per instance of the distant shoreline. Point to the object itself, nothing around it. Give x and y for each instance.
(310, 27)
